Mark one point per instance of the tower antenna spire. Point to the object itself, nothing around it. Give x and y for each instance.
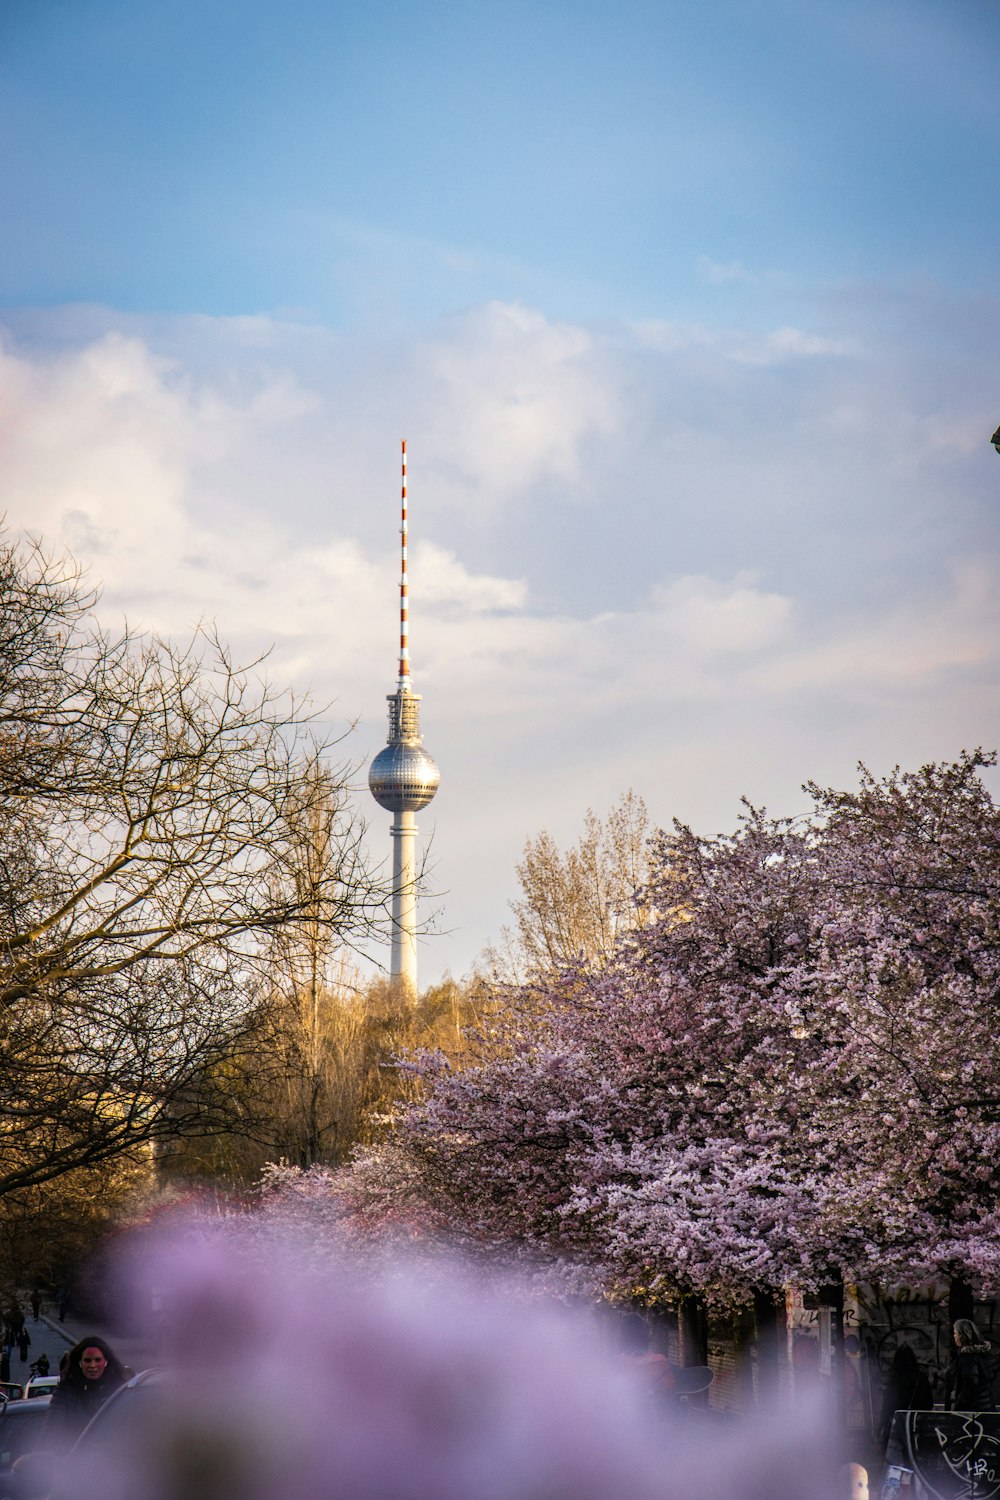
(403, 778)
(404, 587)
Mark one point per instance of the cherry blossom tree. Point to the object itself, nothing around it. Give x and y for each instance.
(788, 1078)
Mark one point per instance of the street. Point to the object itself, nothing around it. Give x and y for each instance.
(53, 1338)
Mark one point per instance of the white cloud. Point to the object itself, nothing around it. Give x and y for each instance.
(717, 273)
(783, 565)
(788, 343)
(510, 398)
(444, 581)
(955, 630)
(780, 345)
(708, 615)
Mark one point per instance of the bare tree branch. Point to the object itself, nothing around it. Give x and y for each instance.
(151, 798)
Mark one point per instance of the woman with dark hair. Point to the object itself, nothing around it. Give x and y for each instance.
(93, 1373)
(970, 1380)
(906, 1389)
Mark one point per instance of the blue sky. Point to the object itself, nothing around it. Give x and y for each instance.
(689, 314)
(237, 157)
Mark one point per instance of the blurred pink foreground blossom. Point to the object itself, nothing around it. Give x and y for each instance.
(292, 1380)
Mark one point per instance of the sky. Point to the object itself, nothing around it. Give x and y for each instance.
(688, 312)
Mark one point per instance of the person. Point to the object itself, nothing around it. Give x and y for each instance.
(4, 1366)
(654, 1371)
(969, 1385)
(907, 1388)
(36, 1303)
(93, 1373)
(854, 1480)
(23, 1340)
(41, 1365)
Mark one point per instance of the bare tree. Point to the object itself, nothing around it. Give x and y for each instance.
(150, 803)
(320, 1073)
(48, 1230)
(315, 1071)
(575, 905)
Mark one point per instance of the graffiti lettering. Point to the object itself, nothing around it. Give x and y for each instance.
(955, 1455)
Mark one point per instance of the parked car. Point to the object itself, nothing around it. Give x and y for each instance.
(41, 1473)
(40, 1385)
(20, 1432)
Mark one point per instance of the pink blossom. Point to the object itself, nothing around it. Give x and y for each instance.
(792, 1077)
(290, 1382)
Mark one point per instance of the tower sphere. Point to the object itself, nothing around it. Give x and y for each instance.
(403, 777)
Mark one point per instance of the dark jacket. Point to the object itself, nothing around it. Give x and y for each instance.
(970, 1380)
(907, 1388)
(75, 1399)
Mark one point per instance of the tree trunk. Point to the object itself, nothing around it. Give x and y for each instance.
(832, 1296)
(961, 1303)
(692, 1330)
(769, 1319)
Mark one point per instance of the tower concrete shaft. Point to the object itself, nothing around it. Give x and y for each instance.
(403, 963)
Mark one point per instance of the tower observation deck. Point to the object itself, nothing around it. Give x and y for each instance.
(403, 778)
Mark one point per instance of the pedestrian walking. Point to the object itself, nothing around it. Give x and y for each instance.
(652, 1372)
(23, 1340)
(969, 1384)
(907, 1388)
(4, 1367)
(36, 1303)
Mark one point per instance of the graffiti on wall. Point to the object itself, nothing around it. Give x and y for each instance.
(919, 1316)
(876, 1323)
(955, 1455)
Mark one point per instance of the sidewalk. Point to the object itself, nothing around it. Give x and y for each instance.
(61, 1336)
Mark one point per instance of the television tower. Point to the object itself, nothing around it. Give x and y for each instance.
(403, 778)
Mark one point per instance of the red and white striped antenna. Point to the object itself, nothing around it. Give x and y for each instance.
(404, 597)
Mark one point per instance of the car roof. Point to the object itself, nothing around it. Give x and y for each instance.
(107, 1411)
(154, 1375)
